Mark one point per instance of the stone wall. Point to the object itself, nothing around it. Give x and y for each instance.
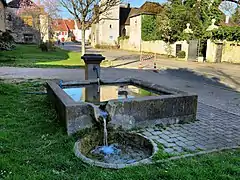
(230, 51)
(211, 51)
(150, 111)
(72, 115)
(159, 47)
(21, 30)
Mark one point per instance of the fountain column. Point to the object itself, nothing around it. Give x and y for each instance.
(92, 64)
(92, 72)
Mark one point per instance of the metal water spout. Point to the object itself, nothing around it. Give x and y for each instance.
(98, 78)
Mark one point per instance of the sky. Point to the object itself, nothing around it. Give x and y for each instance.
(134, 3)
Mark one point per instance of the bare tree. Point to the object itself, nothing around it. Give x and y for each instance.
(87, 12)
(53, 10)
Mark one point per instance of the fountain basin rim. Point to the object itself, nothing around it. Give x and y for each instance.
(77, 147)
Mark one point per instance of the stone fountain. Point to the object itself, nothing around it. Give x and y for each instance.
(123, 105)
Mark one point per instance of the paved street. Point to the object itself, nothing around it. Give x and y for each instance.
(218, 115)
(228, 74)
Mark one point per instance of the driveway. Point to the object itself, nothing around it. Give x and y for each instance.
(228, 74)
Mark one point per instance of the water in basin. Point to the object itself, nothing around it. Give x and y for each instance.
(90, 93)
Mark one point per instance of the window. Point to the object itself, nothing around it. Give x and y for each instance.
(28, 38)
(110, 26)
(178, 48)
(62, 33)
(65, 33)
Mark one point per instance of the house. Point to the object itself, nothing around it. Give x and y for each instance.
(68, 29)
(27, 21)
(121, 20)
(3, 6)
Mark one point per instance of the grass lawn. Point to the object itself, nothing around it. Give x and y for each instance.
(32, 56)
(35, 146)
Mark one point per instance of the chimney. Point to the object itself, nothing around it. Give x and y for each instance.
(227, 19)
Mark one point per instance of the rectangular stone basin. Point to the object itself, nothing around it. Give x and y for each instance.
(131, 104)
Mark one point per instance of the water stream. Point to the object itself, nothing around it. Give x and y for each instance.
(105, 133)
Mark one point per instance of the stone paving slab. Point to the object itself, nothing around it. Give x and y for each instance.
(214, 129)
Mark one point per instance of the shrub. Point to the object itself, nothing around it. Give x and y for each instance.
(122, 38)
(227, 33)
(47, 46)
(7, 41)
(97, 46)
(51, 45)
(44, 47)
(181, 54)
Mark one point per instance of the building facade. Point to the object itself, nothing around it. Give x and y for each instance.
(69, 30)
(27, 21)
(121, 20)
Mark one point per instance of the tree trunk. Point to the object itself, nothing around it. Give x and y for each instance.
(83, 41)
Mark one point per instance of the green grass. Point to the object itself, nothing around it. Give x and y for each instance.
(34, 146)
(32, 56)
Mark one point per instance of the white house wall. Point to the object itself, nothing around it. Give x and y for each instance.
(109, 26)
(159, 46)
(135, 32)
(108, 31)
(78, 34)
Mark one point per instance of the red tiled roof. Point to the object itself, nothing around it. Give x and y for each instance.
(70, 24)
(63, 24)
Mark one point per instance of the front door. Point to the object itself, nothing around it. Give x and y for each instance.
(219, 53)
(193, 50)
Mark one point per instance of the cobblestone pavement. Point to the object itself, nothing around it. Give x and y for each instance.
(214, 129)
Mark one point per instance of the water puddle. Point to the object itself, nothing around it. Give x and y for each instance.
(93, 94)
(118, 154)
